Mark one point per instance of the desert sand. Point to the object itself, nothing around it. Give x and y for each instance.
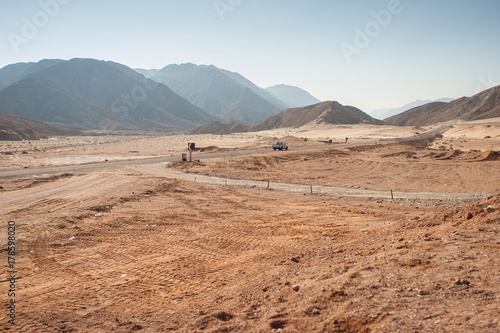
(306, 240)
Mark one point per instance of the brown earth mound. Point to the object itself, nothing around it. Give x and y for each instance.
(216, 127)
(465, 156)
(212, 149)
(489, 156)
(448, 155)
(482, 212)
(326, 112)
(16, 128)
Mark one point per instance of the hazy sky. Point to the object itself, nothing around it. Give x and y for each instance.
(368, 53)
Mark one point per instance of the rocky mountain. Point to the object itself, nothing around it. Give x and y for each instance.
(14, 127)
(94, 94)
(217, 127)
(483, 105)
(386, 113)
(321, 113)
(264, 93)
(223, 94)
(414, 115)
(293, 96)
(15, 72)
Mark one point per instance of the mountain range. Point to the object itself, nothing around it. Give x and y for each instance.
(240, 79)
(92, 94)
(483, 105)
(386, 113)
(83, 94)
(321, 113)
(223, 94)
(15, 72)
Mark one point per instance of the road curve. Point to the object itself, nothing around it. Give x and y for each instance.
(146, 161)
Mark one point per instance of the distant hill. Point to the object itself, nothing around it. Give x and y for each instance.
(322, 113)
(483, 105)
(386, 113)
(217, 127)
(414, 115)
(223, 94)
(14, 128)
(293, 96)
(94, 94)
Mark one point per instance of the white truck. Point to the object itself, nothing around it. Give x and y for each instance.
(280, 145)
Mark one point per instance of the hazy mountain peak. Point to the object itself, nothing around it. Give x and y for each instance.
(293, 96)
(222, 93)
(483, 105)
(16, 72)
(386, 113)
(93, 94)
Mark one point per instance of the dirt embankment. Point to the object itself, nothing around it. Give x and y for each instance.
(400, 167)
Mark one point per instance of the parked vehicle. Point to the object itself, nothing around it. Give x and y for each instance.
(280, 145)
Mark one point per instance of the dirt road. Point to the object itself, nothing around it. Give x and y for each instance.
(422, 198)
(232, 152)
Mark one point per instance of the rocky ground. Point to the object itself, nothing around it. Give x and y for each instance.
(140, 248)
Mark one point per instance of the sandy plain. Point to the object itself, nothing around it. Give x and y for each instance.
(207, 247)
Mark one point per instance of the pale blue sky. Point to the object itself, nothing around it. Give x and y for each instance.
(424, 50)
